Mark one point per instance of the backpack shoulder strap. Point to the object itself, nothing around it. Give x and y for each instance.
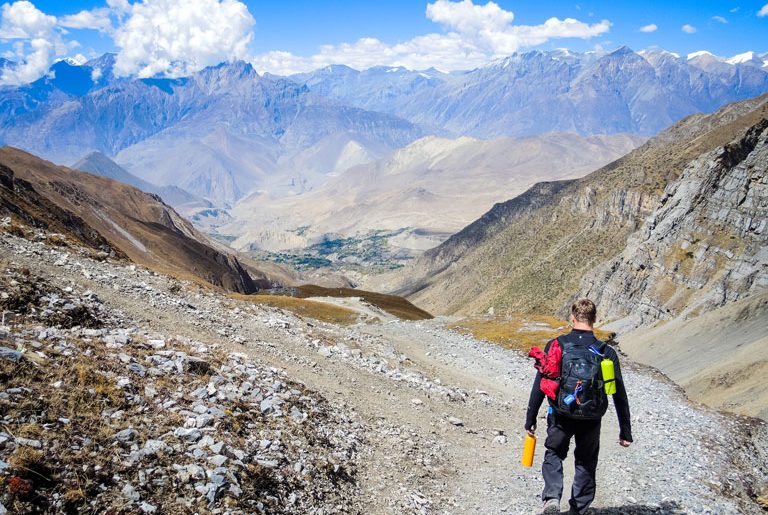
(601, 346)
(565, 341)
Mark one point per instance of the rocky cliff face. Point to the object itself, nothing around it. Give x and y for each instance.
(705, 244)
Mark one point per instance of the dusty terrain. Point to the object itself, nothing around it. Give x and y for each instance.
(720, 358)
(406, 383)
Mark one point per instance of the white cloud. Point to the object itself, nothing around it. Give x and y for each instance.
(474, 35)
(22, 20)
(177, 37)
(489, 26)
(447, 52)
(121, 6)
(719, 19)
(36, 41)
(688, 29)
(651, 27)
(467, 18)
(97, 19)
(763, 11)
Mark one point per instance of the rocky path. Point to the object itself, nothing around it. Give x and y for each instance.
(441, 413)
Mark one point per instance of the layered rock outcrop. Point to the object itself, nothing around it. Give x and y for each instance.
(705, 245)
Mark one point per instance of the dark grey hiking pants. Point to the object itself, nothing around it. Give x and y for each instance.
(560, 429)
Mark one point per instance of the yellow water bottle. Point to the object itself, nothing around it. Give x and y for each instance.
(609, 376)
(528, 447)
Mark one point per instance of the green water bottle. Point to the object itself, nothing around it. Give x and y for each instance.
(609, 376)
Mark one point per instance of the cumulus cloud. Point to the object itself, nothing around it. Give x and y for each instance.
(651, 27)
(177, 37)
(688, 29)
(22, 20)
(467, 18)
(97, 19)
(36, 41)
(720, 19)
(763, 11)
(473, 35)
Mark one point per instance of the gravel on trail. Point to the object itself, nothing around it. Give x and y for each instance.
(213, 404)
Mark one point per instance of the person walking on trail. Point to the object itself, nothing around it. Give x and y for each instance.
(576, 407)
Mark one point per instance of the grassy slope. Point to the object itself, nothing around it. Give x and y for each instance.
(720, 358)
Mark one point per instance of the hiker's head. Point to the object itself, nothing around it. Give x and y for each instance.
(583, 312)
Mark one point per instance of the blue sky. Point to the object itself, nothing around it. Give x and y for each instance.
(294, 35)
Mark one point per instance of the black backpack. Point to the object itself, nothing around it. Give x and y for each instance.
(581, 394)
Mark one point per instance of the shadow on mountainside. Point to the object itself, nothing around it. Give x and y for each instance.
(666, 508)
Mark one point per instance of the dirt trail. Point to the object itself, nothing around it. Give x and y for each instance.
(405, 380)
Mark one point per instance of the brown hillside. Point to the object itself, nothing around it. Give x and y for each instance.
(530, 253)
(19, 199)
(101, 212)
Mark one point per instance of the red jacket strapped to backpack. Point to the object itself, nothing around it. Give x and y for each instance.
(549, 366)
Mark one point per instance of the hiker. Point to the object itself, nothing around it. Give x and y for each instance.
(576, 410)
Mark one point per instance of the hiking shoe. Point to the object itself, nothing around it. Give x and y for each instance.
(551, 507)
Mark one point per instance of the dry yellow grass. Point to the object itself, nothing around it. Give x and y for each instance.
(392, 304)
(762, 500)
(518, 332)
(303, 308)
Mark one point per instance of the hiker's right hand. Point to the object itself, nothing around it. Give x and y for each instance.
(531, 431)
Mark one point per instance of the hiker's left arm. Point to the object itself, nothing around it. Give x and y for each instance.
(621, 402)
(535, 400)
(534, 404)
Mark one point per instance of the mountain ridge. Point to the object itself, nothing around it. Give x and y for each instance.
(537, 91)
(99, 164)
(104, 213)
(515, 246)
(238, 123)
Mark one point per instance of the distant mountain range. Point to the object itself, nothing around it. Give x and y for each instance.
(227, 132)
(218, 134)
(562, 91)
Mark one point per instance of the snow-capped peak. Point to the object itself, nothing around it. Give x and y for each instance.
(76, 60)
(702, 53)
(746, 57)
(651, 52)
